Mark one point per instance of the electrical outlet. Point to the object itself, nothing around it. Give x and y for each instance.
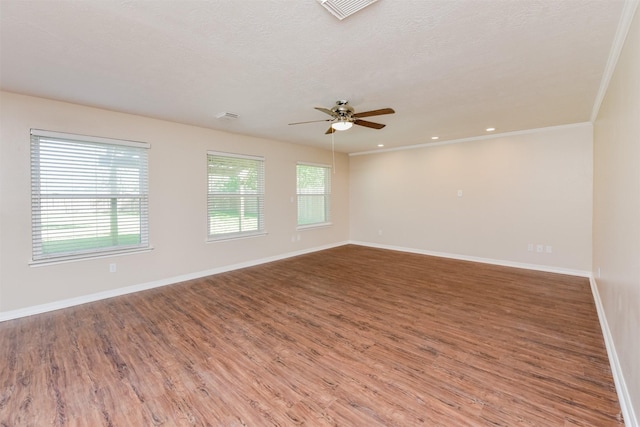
(530, 247)
(549, 249)
(112, 267)
(539, 248)
(459, 193)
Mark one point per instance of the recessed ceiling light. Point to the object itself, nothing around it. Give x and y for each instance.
(435, 137)
(380, 145)
(490, 129)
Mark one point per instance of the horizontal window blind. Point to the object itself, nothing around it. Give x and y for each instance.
(235, 203)
(314, 194)
(88, 196)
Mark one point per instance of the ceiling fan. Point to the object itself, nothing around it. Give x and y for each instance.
(343, 116)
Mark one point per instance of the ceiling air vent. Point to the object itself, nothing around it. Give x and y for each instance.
(343, 8)
(227, 116)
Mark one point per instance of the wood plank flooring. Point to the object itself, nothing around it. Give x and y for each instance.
(350, 336)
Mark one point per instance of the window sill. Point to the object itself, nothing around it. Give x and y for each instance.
(87, 257)
(235, 237)
(311, 226)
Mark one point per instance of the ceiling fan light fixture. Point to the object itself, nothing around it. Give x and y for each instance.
(342, 125)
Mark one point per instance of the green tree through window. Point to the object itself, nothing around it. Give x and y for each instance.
(235, 195)
(314, 194)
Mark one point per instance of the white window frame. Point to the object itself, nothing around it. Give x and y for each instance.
(325, 194)
(70, 190)
(242, 195)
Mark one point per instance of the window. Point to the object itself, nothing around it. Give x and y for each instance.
(89, 196)
(236, 195)
(314, 193)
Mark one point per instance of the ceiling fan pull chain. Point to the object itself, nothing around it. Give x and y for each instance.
(333, 151)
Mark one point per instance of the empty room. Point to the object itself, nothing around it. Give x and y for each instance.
(319, 213)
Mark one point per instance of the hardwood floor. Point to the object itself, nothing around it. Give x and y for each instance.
(350, 336)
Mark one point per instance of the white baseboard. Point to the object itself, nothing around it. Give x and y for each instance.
(536, 267)
(621, 388)
(626, 406)
(57, 305)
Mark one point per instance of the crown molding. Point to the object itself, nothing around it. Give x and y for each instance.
(628, 12)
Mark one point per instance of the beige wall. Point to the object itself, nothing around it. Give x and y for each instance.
(616, 209)
(177, 163)
(532, 187)
(536, 187)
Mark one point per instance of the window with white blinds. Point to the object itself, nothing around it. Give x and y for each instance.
(235, 195)
(89, 196)
(314, 194)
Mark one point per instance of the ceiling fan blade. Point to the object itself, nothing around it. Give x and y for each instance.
(330, 131)
(312, 121)
(374, 112)
(369, 124)
(326, 111)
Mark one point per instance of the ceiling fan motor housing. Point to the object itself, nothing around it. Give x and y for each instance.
(343, 109)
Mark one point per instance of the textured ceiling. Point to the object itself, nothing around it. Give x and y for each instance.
(448, 68)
